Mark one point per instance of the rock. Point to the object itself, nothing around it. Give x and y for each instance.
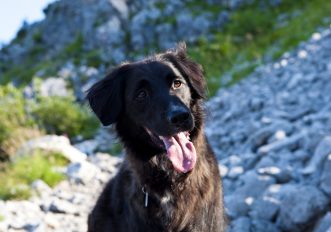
(62, 206)
(322, 151)
(54, 87)
(286, 143)
(325, 181)
(82, 172)
(263, 226)
(262, 136)
(53, 143)
(266, 161)
(235, 172)
(250, 160)
(21, 216)
(41, 187)
(265, 208)
(121, 6)
(324, 224)
(106, 162)
(254, 185)
(306, 203)
(106, 138)
(242, 224)
(223, 170)
(281, 175)
(235, 206)
(87, 146)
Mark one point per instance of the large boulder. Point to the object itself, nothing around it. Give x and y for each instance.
(53, 143)
(299, 205)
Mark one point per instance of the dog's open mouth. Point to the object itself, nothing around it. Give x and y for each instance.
(180, 150)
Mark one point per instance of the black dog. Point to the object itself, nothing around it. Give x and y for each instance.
(169, 180)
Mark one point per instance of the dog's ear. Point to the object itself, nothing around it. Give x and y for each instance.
(191, 70)
(106, 96)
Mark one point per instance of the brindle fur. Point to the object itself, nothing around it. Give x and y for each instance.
(190, 201)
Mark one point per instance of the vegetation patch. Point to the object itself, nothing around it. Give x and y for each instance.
(13, 116)
(255, 34)
(22, 119)
(17, 176)
(116, 149)
(61, 115)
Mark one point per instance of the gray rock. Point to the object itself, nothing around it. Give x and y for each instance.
(82, 172)
(223, 170)
(324, 224)
(41, 187)
(54, 87)
(265, 208)
(54, 143)
(266, 161)
(62, 206)
(87, 147)
(235, 206)
(286, 143)
(281, 175)
(325, 181)
(263, 226)
(254, 185)
(121, 6)
(262, 136)
(322, 151)
(106, 162)
(235, 172)
(242, 224)
(306, 203)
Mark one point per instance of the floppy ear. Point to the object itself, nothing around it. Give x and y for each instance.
(192, 71)
(106, 96)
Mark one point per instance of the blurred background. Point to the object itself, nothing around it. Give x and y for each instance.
(268, 68)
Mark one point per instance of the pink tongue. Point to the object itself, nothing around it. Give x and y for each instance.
(181, 152)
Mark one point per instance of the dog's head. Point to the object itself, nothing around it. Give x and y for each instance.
(159, 97)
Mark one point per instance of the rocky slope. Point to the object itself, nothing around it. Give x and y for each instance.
(272, 136)
(99, 32)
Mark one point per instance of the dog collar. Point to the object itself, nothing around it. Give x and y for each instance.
(143, 189)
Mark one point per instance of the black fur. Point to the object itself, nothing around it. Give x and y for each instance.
(143, 101)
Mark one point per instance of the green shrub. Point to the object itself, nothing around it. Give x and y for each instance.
(22, 119)
(93, 58)
(61, 115)
(13, 117)
(16, 177)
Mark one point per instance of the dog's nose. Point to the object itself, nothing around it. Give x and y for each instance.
(178, 117)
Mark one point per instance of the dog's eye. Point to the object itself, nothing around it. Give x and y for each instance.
(177, 84)
(141, 95)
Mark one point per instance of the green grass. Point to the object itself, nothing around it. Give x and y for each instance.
(12, 111)
(16, 177)
(254, 32)
(22, 119)
(2, 218)
(24, 73)
(61, 115)
(116, 149)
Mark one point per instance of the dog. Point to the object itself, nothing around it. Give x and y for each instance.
(169, 179)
